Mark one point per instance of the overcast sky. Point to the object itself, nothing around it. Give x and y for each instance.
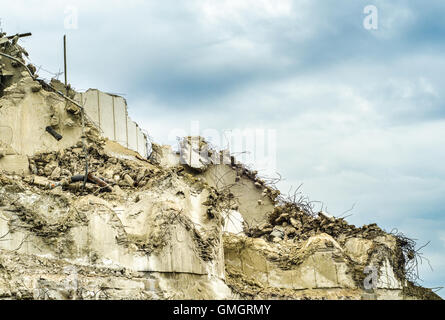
(359, 114)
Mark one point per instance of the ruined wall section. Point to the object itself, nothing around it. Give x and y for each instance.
(249, 198)
(25, 112)
(320, 268)
(110, 114)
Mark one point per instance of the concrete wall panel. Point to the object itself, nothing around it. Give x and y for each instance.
(90, 98)
(120, 117)
(132, 136)
(106, 115)
(142, 145)
(22, 126)
(79, 97)
(109, 112)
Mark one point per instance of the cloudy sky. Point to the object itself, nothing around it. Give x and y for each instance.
(359, 113)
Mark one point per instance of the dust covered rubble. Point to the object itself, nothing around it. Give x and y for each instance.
(147, 219)
(301, 254)
(153, 220)
(292, 255)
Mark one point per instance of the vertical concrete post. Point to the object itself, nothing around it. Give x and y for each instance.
(114, 120)
(98, 108)
(64, 59)
(137, 138)
(126, 126)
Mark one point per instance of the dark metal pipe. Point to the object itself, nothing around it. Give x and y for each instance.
(77, 178)
(64, 60)
(53, 133)
(98, 181)
(91, 179)
(20, 35)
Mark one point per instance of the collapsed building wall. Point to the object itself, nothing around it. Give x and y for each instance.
(110, 113)
(280, 248)
(319, 267)
(153, 227)
(250, 196)
(157, 228)
(25, 112)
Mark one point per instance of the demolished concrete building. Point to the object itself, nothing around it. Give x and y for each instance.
(160, 227)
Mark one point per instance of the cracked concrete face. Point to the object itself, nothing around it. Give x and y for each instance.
(156, 230)
(162, 228)
(318, 266)
(25, 112)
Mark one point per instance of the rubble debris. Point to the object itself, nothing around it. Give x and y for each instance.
(129, 180)
(194, 151)
(304, 224)
(43, 182)
(278, 232)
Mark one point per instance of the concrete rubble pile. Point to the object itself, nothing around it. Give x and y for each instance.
(291, 222)
(84, 217)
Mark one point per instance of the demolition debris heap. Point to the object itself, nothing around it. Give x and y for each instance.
(90, 209)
